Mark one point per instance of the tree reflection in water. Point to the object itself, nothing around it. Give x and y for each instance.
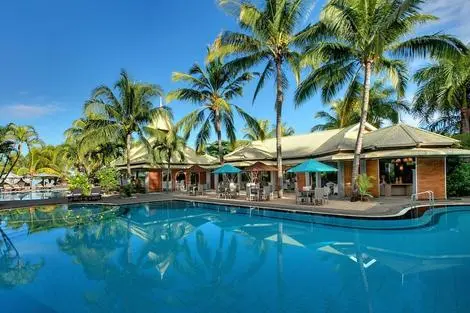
(15, 271)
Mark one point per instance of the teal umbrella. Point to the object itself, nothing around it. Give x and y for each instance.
(227, 169)
(312, 166)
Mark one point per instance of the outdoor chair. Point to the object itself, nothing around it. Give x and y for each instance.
(268, 193)
(252, 194)
(75, 195)
(95, 193)
(318, 196)
(233, 190)
(326, 193)
(220, 191)
(301, 198)
(200, 189)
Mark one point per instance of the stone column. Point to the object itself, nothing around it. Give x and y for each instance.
(317, 180)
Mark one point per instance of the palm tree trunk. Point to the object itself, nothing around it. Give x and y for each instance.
(362, 125)
(128, 155)
(465, 117)
(168, 176)
(218, 129)
(279, 101)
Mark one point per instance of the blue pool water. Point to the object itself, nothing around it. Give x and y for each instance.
(185, 257)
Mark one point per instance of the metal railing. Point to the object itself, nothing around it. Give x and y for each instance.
(430, 196)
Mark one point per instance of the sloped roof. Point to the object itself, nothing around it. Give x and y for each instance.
(401, 135)
(160, 123)
(295, 146)
(345, 140)
(140, 154)
(416, 152)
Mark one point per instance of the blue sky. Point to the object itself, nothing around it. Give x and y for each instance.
(55, 52)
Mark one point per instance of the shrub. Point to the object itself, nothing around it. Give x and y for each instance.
(108, 179)
(458, 181)
(80, 181)
(364, 183)
(127, 190)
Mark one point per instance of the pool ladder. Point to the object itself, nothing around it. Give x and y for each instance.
(430, 196)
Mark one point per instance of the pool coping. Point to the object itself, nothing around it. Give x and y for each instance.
(391, 213)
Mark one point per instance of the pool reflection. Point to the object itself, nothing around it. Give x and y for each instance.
(183, 258)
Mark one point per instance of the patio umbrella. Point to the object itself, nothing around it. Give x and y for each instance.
(312, 166)
(227, 169)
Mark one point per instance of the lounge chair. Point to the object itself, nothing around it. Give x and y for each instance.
(75, 195)
(318, 196)
(301, 198)
(95, 193)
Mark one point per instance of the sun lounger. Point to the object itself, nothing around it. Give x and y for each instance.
(75, 195)
(95, 193)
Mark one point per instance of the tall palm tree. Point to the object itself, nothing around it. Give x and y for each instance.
(355, 39)
(23, 135)
(444, 88)
(8, 154)
(260, 133)
(167, 146)
(213, 88)
(116, 117)
(286, 130)
(270, 37)
(338, 118)
(383, 102)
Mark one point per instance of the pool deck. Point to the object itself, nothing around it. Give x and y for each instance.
(375, 208)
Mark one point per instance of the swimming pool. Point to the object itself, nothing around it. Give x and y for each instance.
(190, 257)
(32, 195)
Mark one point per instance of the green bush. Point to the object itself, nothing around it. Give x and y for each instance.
(80, 181)
(108, 179)
(127, 190)
(458, 181)
(364, 183)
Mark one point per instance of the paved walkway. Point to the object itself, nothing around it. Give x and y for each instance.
(376, 208)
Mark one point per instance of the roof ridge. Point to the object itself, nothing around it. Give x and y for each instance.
(402, 126)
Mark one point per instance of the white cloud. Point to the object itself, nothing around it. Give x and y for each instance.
(27, 111)
(454, 16)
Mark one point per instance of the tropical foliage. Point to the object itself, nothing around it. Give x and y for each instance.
(108, 178)
(167, 147)
(356, 39)
(384, 107)
(117, 116)
(265, 131)
(444, 90)
(213, 88)
(81, 182)
(458, 181)
(269, 38)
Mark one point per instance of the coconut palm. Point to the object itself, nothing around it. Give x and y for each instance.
(117, 116)
(286, 130)
(338, 117)
(167, 146)
(269, 39)
(213, 88)
(444, 88)
(384, 107)
(355, 39)
(8, 154)
(262, 132)
(23, 136)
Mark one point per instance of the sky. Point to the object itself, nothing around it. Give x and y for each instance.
(54, 52)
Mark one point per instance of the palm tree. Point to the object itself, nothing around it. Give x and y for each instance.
(261, 133)
(338, 118)
(269, 39)
(23, 135)
(286, 130)
(357, 38)
(116, 117)
(8, 154)
(444, 88)
(213, 88)
(265, 131)
(167, 146)
(383, 103)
